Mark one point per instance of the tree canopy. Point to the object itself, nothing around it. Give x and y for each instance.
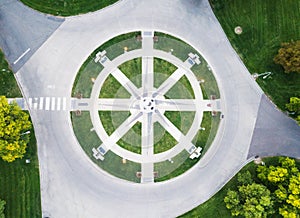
(14, 123)
(285, 180)
(252, 200)
(294, 106)
(2, 204)
(272, 189)
(289, 56)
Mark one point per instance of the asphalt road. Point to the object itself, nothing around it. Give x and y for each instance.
(71, 185)
(275, 134)
(22, 28)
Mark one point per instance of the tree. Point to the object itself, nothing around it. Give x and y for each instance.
(13, 124)
(289, 56)
(285, 179)
(2, 204)
(245, 178)
(294, 104)
(252, 200)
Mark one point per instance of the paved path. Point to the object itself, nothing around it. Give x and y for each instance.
(70, 183)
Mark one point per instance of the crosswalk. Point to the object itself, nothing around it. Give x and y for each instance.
(48, 103)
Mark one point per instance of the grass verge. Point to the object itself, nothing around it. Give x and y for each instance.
(67, 7)
(8, 84)
(20, 184)
(265, 26)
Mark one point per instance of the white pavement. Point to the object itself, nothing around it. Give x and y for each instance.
(71, 185)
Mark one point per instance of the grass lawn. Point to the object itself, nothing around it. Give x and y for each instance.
(132, 140)
(202, 71)
(67, 7)
(89, 69)
(265, 25)
(112, 163)
(163, 140)
(162, 70)
(20, 184)
(83, 82)
(132, 69)
(8, 84)
(113, 89)
(181, 163)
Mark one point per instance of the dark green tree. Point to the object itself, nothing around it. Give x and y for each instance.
(289, 56)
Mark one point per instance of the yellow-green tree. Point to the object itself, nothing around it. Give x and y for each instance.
(289, 56)
(252, 200)
(285, 179)
(2, 204)
(13, 124)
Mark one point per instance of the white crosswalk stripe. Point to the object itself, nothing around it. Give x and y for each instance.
(53, 104)
(35, 103)
(41, 103)
(64, 104)
(48, 103)
(58, 104)
(30, 102)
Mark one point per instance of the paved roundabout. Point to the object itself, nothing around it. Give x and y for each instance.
(70, 183)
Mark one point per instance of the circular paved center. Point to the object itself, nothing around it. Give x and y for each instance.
(147, 105)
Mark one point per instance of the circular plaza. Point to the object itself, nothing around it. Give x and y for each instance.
(149, 104)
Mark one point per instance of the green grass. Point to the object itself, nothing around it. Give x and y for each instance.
(67, 7)
(132, 69)
(204, 138)
(131, 141)
(163, 140)
(181, 119)
(168, 170)
(181, 163)
(169, 43)
(83, 81)
(90, 69)
(8, 84)
(162, 70)
(113, 89)
(181, 90)
(201, 71)
(112, 163)
(111, 120)
(265, 26)
(20, 184)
